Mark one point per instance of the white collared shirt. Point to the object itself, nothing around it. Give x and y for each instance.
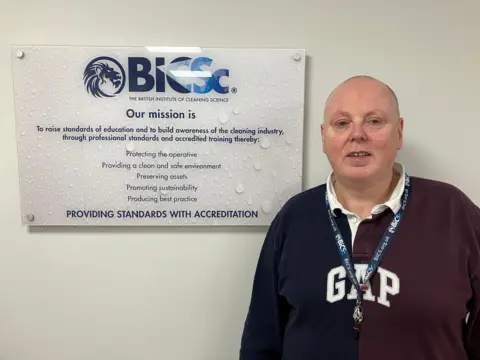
(394, 203)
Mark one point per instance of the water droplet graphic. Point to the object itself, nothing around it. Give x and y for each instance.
(223, 118)
(249, 202)
(236, 111)
(34, 91)
(265, 144)
(288, 141)
(257, 165)
(239, 189)
(130, 146)
(267, 207)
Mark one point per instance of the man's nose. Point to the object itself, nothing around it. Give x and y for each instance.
(358, 132)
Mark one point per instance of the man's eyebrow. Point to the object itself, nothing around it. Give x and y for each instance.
(375, 112)
(385, 114)
(340, 113)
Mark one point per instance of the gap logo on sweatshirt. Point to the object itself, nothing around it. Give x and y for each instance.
(337, 288)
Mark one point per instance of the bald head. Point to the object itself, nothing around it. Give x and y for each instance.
(363, 86)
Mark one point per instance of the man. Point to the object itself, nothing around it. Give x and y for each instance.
(374, 264)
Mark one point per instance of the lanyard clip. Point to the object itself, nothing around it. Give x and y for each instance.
(358, 318)
(358, 315)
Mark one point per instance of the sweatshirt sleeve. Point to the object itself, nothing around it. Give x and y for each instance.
(473, 322)
(264, 326)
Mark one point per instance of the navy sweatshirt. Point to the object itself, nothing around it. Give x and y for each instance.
(423, 302)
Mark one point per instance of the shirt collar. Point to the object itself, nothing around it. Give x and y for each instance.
(394, 202)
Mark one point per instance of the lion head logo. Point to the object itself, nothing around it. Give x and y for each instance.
(104, 77)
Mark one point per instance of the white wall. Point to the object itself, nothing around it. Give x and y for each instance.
(146, 293)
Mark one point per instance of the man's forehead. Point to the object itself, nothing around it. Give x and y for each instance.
(364, 111)
(362, 91)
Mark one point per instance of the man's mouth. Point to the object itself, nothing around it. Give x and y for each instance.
(358, 154)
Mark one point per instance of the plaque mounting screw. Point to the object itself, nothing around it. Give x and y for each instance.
(20, 54)
(297, 57)
(30, 217)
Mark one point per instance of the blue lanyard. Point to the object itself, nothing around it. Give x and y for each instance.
(377, 255)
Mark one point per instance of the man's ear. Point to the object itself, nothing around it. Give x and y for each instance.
(322, 131)
(400, 133)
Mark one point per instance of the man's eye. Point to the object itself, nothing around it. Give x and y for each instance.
(341, 123)
(374, 121)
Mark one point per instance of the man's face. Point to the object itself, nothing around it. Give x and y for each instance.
(362, 130)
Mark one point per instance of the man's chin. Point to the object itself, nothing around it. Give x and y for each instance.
(359, 173)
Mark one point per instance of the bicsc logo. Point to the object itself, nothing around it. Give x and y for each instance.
(341, 244)
(104, 77)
